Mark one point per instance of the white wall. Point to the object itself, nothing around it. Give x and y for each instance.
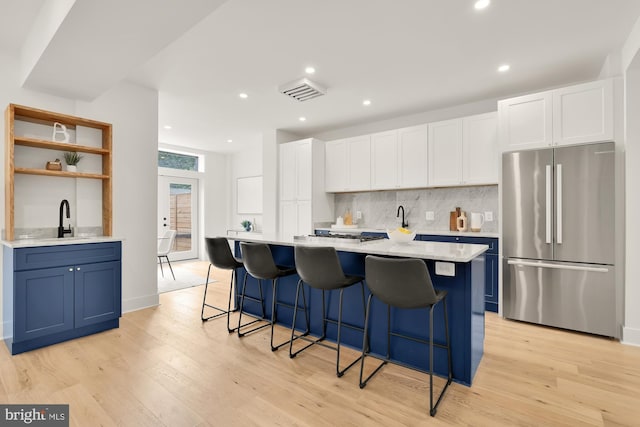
(631, 64)
(133, 111)
(243, 164)
(411, 120)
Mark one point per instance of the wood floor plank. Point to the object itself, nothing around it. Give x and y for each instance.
(165, 367)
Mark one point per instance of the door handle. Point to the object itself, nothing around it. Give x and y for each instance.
(164, 225)
(559, 203)
(548, 206)
(557, 266)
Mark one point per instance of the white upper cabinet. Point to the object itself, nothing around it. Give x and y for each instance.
(384, 160)
(583, 113)
(480, 149)
(303, 200)
(572, 115)
(413, 157)
(348, 164)
(445, 153)
(359, 164)
(525, 121)
(336, 174)
(295, 170)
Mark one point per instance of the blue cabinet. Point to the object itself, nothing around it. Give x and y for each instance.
(56, 293)
(491, 263)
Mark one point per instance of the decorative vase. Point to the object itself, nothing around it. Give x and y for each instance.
(72, 168)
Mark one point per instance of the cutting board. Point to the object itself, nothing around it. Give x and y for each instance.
(453, 217)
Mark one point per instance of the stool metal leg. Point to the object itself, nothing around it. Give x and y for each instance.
(242, 297)
(365, 346)
(299, 287)
(433, 408)
(339, 372)
(161, 269)
(204, 298)
(274, 317)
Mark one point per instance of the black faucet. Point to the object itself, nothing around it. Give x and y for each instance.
(61, 230)
(404, 224)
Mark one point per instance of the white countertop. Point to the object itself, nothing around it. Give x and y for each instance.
(28, 243)
(431, 232)
(454, 252)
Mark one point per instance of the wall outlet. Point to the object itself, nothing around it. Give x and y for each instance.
(358, 214)
(430, 216)
(445, 269)
(488, 216)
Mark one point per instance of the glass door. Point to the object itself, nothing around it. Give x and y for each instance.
(178, 210)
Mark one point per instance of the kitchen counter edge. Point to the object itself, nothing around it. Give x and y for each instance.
(424, 232)
(31, 243)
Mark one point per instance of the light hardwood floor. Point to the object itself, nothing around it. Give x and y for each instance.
(163, 366)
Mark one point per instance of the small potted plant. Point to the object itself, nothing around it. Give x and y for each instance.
(72, 158)
(246, 225)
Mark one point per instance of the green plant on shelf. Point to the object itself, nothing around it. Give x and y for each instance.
(72, 158)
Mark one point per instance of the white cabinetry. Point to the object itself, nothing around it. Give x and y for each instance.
(445, 153)
(399, 158)
(480, 154)
(413, 156)
(348, 164)
(464, 151)
(302, 197)
(384, 160)
(573, 115)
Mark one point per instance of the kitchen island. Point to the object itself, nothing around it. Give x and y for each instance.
(454, 267)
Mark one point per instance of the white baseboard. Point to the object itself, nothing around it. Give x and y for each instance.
(631, 336)
(139, 303)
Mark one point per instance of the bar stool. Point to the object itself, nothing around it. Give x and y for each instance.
(259, 263)
(320, 268)
(220, 256)
(406, 284)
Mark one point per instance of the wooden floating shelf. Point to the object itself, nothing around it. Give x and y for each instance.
(63, 146)
(46, 172)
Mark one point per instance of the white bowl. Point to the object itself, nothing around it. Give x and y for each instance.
(399, 237)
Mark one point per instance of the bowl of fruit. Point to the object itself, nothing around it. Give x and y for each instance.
(401, 235)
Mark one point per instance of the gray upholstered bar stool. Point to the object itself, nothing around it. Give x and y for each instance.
(220, 256)
(404, 283)
(259, 263)
(320, 268)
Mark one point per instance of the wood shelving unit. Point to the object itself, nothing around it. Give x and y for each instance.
(15, 113)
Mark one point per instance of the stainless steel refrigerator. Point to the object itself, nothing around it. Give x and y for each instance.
(558, 237)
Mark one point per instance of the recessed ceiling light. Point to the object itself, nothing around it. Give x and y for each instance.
(504, 68)
(366, 102)
(243, 95)
(167, 127)
(229, 140)
(309, 70)
(302, 119)
(481, 4)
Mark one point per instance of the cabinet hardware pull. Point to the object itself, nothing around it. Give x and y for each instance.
(78, 269)
(70, 268)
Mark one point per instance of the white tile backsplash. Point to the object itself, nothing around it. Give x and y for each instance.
(379, 208)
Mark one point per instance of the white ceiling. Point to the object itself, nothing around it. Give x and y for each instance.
(407, 56)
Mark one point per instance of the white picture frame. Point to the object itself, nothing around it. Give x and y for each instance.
(249, 195)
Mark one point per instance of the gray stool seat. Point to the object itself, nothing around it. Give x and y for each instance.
(259, 263)
(220, 256)
(404, 283)
(320, 268)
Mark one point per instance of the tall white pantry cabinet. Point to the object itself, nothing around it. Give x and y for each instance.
(303, 200)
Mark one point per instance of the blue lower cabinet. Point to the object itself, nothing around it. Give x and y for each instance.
(491, 263)
(43, 306)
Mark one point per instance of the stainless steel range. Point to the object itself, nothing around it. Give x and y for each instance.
(348, 237)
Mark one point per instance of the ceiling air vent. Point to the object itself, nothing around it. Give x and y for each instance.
(302, 89)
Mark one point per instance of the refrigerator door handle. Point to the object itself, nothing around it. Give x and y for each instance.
(548, 206)
(559, 203)
(558, 266)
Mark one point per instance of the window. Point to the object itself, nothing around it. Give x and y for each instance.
(171, 160)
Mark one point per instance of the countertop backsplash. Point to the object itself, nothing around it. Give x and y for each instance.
(379, 208)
